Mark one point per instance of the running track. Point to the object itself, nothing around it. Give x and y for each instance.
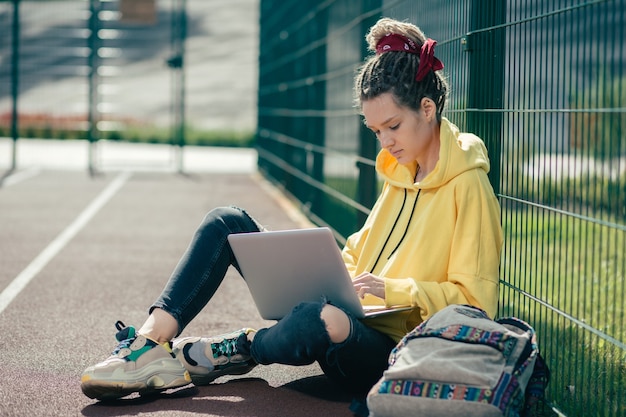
(79, 253)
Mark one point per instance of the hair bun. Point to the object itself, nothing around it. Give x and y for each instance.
(385, 26)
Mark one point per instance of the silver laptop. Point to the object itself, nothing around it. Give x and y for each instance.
(287, 267)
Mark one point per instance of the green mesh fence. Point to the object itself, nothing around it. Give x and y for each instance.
(543, 84)
(90, 69)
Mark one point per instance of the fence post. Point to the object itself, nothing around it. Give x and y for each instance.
(368, 191)
(15, 84)
(318, 64)
(486, 78)
(177, 63)
(92, 115)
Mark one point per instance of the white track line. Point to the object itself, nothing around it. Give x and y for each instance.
(22, 280)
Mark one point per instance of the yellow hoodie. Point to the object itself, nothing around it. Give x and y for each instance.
(436, 242)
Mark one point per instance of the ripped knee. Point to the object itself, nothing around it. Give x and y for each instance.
(337, 323)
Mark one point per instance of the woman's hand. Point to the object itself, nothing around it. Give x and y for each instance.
(367, 283)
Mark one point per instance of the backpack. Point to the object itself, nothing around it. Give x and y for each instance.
(460, 362)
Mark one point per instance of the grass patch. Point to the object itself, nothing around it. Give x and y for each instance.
(578, 268)
(193, 137)
(47, 128)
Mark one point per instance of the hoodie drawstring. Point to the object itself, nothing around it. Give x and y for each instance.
(394, 226)
(407, 226)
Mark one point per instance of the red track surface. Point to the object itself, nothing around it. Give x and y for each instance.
(112, 269)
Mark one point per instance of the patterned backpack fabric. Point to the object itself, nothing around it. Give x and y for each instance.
(462, 363)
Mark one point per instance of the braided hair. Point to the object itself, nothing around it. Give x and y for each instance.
(394, 71)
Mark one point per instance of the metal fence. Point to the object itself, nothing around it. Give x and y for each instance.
(67, 63)
(543, 83)
(118, 69)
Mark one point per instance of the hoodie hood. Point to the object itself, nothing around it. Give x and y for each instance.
(458, 152)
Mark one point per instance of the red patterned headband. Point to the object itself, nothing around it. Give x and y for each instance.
(397, 42)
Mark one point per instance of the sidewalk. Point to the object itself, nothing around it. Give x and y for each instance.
(73, 155)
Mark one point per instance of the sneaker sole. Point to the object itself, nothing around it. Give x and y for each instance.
(206, 379)
(150, 378)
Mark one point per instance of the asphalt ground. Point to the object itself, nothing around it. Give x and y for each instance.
(78, 253)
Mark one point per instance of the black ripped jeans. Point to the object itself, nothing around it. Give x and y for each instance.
(300, 338)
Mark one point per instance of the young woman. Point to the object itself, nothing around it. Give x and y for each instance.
(433, 238)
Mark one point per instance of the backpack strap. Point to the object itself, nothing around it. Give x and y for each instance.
(535, 391)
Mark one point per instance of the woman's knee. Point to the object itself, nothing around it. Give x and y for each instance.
(337, 323)
(230, 219)
(222, 214)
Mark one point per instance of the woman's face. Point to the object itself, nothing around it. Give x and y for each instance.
(404, 132)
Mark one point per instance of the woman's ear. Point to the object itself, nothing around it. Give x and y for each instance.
(429, 108)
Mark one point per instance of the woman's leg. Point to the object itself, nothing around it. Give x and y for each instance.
(143, 361)
(358, 362)
(198, 274)
(303, 337)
